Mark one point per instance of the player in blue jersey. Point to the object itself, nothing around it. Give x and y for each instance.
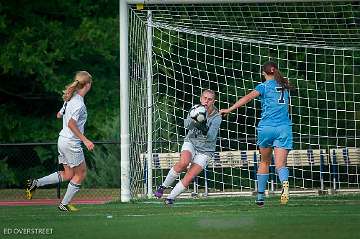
(274, 129)
(199, 146)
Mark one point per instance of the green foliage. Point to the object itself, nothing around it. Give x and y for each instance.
(105, 169)
(19, 163)
(42, 45)
(7, 176)
(165, 124)
(104, 162)
(45, 153)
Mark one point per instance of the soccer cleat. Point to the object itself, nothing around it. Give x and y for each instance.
(30, 188)
(284, 198)
(260, 199)
(159, 192)
(67, 208)
(260, 202)
(169, 202)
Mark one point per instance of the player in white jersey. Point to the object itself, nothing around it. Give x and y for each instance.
(71, 155)
(199, 146)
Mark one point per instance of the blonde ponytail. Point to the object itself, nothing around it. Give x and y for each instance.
(80, 80)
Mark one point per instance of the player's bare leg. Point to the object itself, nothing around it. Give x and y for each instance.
(56, 177)
(193, 171)
(73, 188)
(174, 172)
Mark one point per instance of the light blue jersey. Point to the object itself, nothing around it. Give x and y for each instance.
(274, 104)
(274, 129)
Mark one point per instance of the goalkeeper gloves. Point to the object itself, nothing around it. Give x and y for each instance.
(201, 126)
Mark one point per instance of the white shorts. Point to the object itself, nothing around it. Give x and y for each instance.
(197, 157)
(70, 152)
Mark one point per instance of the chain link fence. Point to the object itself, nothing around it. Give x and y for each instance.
(19, 162)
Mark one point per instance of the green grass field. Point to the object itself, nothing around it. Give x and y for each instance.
(305, 217)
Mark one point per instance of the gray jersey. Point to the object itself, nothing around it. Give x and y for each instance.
(204, 143)
(73, 109)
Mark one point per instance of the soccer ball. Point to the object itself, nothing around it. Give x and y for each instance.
(198, 113)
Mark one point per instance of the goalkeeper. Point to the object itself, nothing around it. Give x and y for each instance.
(199, 146)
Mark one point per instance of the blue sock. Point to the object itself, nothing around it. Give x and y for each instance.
(283, 174)
(262, 182)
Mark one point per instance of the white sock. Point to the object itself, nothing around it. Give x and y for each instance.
(170, 178)
(50, 179)
(72, 189)
(179, 188)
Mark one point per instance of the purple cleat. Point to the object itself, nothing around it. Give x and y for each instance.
(159, 192)
(169, 201)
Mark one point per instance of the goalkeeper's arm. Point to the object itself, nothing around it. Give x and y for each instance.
(214, 128)
(189, 123)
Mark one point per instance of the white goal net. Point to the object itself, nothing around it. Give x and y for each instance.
(187, 48)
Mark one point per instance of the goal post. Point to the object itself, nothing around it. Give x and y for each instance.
(172, 50)
(124, 102)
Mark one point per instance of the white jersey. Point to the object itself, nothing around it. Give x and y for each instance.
(73, 109)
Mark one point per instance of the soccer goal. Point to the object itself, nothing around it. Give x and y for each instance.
(170, 51)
